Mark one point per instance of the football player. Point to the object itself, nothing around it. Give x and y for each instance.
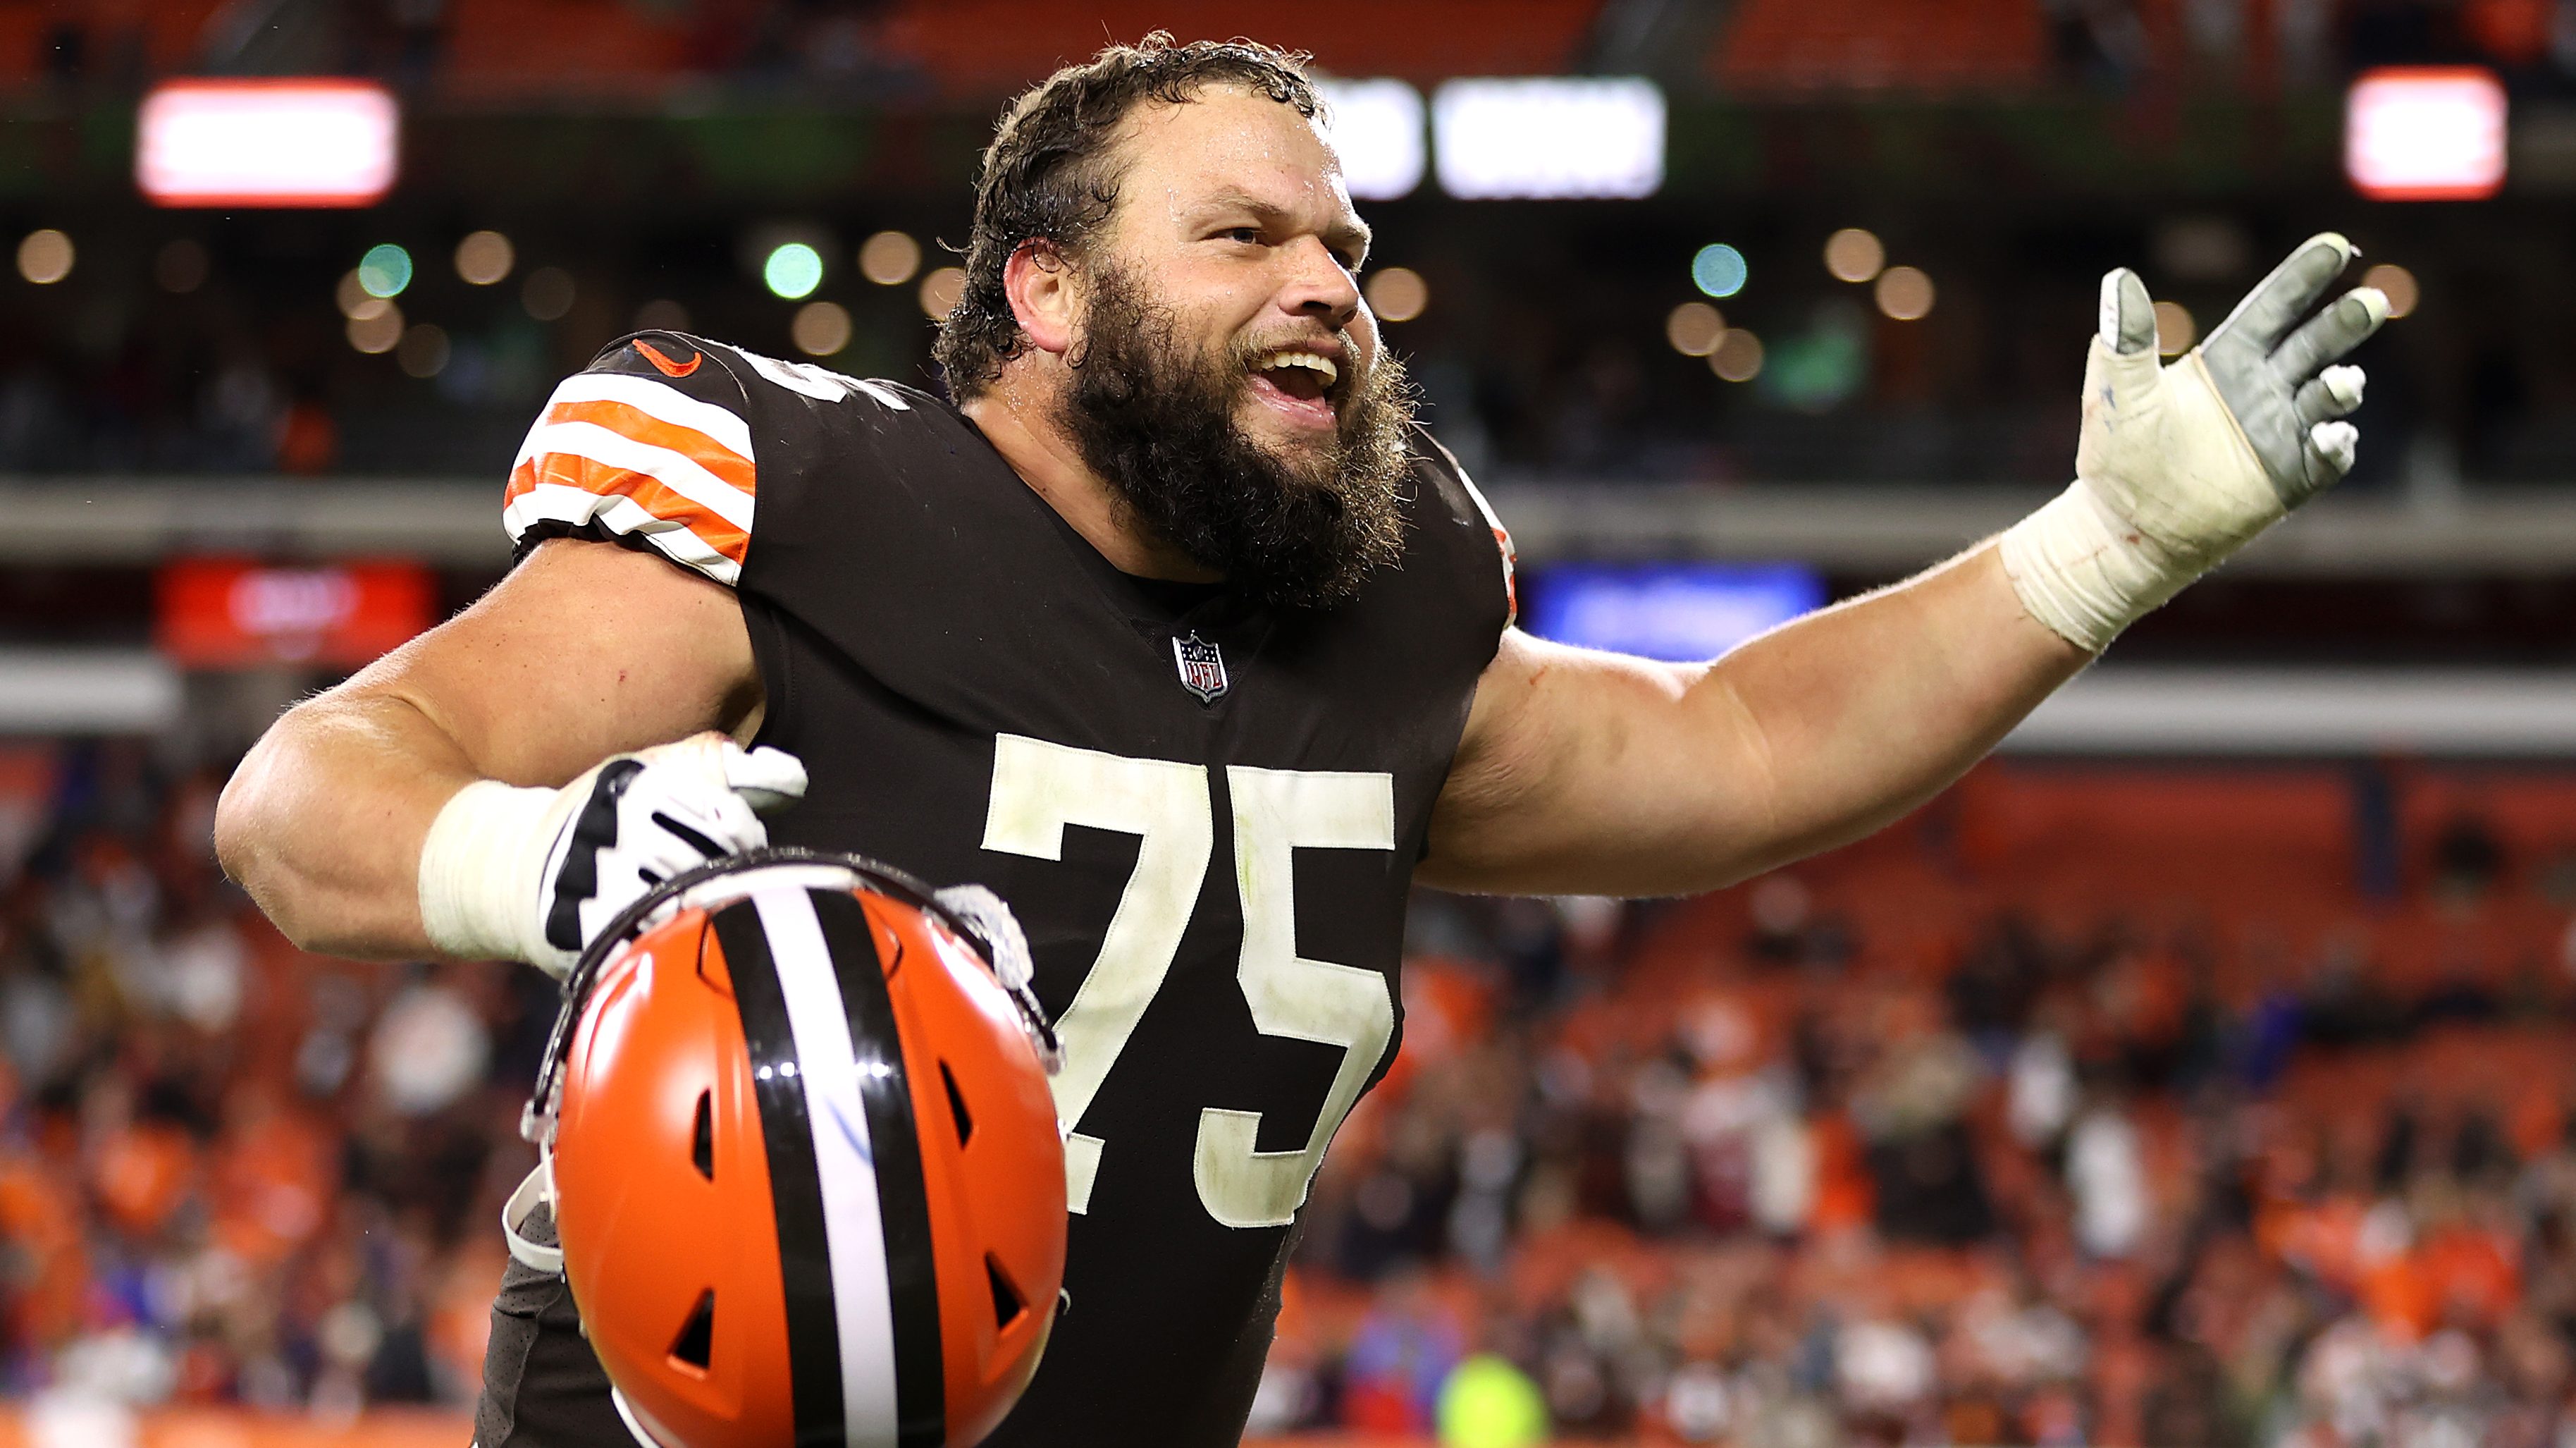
(1171, 626)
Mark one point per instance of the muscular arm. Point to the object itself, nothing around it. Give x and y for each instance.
(584, 651)
(1593, 773)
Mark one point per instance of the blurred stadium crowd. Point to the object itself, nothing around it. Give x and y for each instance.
(2117, 1105)
(2019, 148)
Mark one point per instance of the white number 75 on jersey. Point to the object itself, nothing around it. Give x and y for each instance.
(1039, 788)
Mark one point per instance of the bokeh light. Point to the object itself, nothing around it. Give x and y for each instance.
(940, 291)
(889, 258)
(1719, 270)
(1854, 255)
(1738, 357)
(181, 266)
(377, 331)
(792, 270)
(1397, 294)
(423, 351)
(385, 270)
(354, 300)
(1695, 328)
(547, 293)
(2399, 285)
(820, 328)
(1904, 293)
(45, 257)
(484, 257)
(2175, 330)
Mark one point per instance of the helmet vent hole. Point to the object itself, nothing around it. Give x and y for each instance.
(702, 1137)
(957, 1106)
(1007, 1305)
(696, 1342)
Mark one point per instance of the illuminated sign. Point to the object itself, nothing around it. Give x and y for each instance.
(1549, 137)
(1377, 128)
(226, 613)
(257, 142)
(1678, 611)
(2425, 133)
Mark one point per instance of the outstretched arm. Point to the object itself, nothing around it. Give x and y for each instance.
(1585, 772)
(1594, 773)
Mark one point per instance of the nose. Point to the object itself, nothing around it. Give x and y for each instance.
(1319, 286)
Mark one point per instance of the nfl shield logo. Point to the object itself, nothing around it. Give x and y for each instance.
(1202, 666)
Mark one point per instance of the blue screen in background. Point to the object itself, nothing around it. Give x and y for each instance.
(1674, 611)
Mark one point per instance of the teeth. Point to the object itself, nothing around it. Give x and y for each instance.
(1317, 363)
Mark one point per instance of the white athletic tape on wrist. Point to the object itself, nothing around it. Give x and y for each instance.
(481, 871)
(2085, 573)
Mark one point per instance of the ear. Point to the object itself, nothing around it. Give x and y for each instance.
(1040, 285)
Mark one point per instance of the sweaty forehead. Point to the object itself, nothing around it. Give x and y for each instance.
(1231, 143)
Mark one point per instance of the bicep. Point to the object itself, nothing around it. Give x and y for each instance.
(585, 650)
(1590, 772)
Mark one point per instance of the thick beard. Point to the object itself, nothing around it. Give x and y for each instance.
(1159, 424)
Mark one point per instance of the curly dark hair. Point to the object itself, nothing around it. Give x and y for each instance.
(1048, 175)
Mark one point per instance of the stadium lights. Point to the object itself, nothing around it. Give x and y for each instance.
(385, 270)
(1738, 356)
(1549, 137)
(2175, 329)
(377, 331)
(940, 291)
(889, 258)
(792, 270)
(547, 293)
(484, 257)
(1904, 294)
(1695, 329)
(820, 328)
(1376, 129)
(1854, 255)
(2425, 133)
(45, 257)
(1719, 270)
(423, 351)
(263, 142)
(1398, 294)
(2395, 283)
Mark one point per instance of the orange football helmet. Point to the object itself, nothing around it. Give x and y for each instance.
(803, 1161)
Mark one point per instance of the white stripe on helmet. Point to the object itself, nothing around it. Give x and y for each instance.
(844, 1161)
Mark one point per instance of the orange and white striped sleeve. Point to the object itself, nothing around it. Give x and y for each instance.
(638, 449)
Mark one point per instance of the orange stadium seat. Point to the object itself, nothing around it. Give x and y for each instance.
(163, 35)
(1808, 45)
(981, 47)
(586, 44)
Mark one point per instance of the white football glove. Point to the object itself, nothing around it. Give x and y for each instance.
(534, 874)
(2178, 466)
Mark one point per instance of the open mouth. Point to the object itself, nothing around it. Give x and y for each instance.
(1299, 384)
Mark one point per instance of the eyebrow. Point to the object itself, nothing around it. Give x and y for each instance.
(1349, 232)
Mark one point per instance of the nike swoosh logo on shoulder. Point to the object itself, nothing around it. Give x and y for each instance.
(665, 365)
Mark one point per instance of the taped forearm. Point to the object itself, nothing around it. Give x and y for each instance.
(2085, 573)
(481, 869)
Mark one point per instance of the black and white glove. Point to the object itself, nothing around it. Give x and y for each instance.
(2179, 466)
(533, 874)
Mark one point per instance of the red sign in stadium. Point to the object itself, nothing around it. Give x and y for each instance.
(219, 613)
